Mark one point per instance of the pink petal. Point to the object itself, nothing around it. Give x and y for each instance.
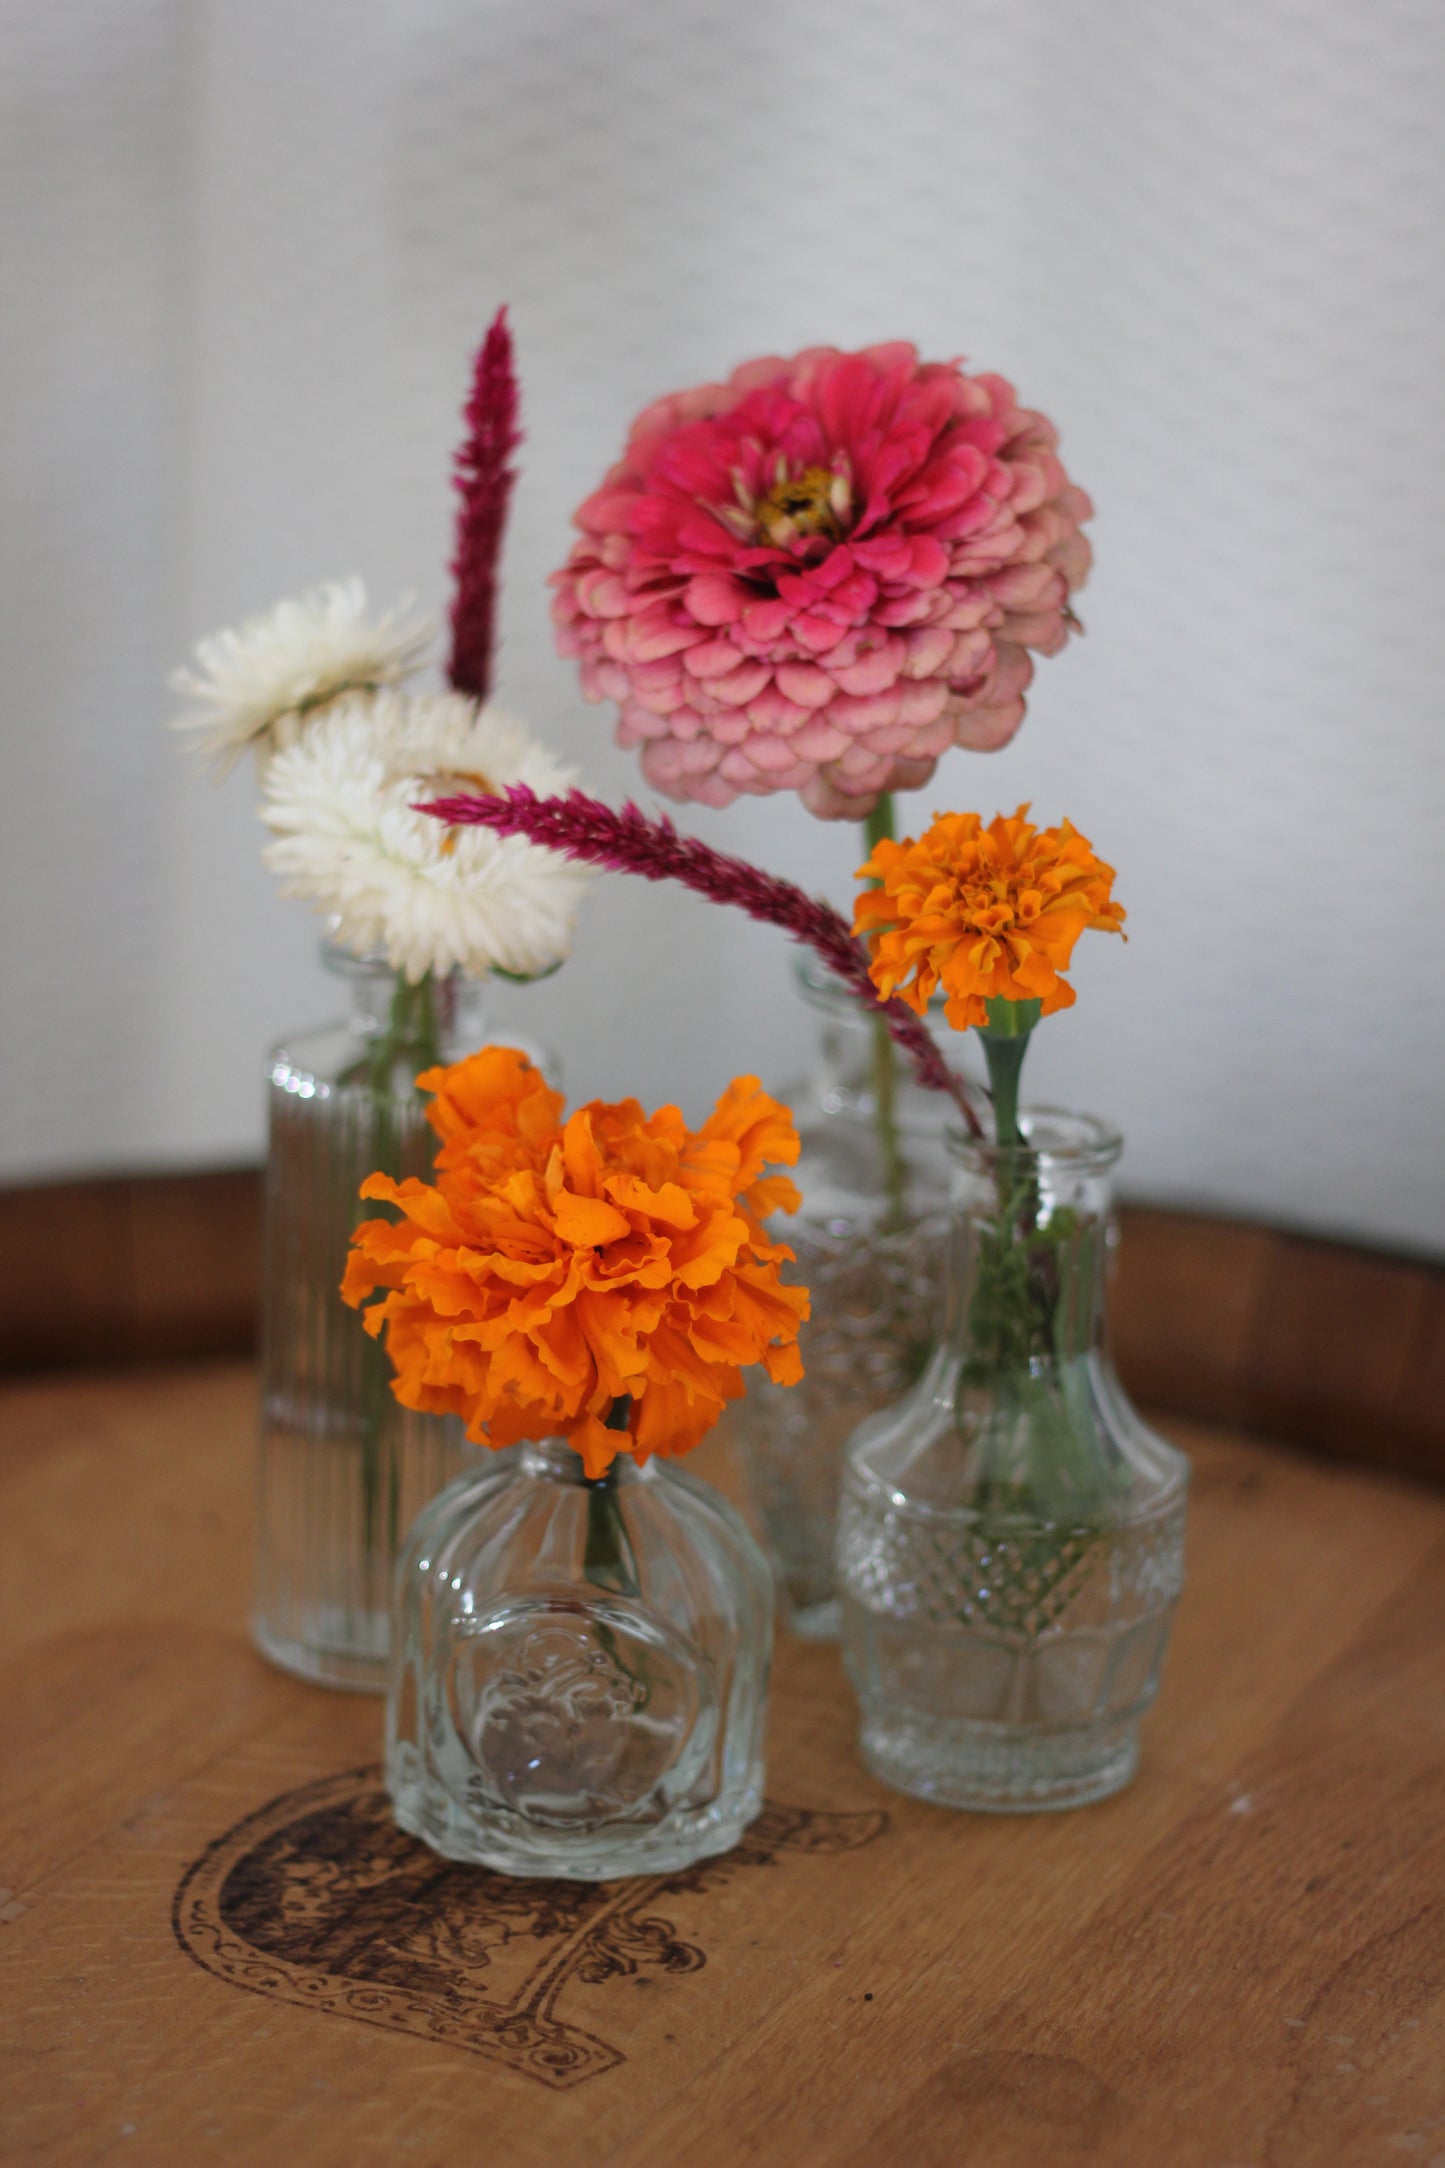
(769, 710)
(1022, 587)
(635, 726)
(929, 566)
(873, 672)
(818, 740)
(863, 767)
(928, 651)
(716, 600)
(986, 729)
(805, 683)
(972, 652)
(729, 726)
(817, 634)
(709, 790)
(602, 594)
(1045, 631)
(742, 686)
(610, 507)
(711, 659)
(768, 753)
(766, 621)
(858, 716)
(657, 635)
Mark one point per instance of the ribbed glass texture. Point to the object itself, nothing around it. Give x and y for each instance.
(344, 1470)
(580, 1670)
(869, 1240)
(1011, 1535)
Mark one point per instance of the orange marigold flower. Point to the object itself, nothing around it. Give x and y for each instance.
(988, 914)
(555, 1267)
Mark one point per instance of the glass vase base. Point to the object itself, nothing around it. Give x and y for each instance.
(816, 1621)
(340, 1650)
(998, 1768)
(509, 1844)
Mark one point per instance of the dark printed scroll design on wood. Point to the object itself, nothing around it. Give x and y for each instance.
(319, 1899)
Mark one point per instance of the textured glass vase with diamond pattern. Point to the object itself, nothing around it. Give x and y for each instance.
(869, 1241)
(579, 1669)
(1011, 1535)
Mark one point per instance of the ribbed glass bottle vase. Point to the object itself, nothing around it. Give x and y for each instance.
(344, 1469)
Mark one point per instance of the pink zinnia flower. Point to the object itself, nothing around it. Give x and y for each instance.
(821, 574)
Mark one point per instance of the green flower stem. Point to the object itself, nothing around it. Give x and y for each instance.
(410, 1042)
(879, 828)
(608, 1559)
(1026, 1333)
(411, 1036)
(1005, 1058)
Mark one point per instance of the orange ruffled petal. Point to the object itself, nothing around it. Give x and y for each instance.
(556, 1265)
(987, 914)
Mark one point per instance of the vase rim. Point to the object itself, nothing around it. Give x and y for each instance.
(559, 1460)
(1062, 1136)
(373, 964)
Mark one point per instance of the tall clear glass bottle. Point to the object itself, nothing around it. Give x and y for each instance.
(343, 1468)
(1011, 1535)
(869, 1238)
(580, 1669)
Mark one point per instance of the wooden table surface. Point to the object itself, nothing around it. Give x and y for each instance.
(213, 1946)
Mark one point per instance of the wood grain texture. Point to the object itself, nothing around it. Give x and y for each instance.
(1333, 1348)
(1239, 1963)
(129, 1267)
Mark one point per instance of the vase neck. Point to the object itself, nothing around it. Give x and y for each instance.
(554, 1460)
(1033, 1232)
(432, 1019)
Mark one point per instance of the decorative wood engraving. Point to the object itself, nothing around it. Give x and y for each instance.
(319, 1899)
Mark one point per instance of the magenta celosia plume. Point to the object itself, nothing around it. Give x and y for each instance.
(631, 842)
(821, 574)
(484, 483)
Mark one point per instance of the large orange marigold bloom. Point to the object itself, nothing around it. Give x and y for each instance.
(988, 914)
(557, 1266)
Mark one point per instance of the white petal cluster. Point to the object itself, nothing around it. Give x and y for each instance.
(432, 898)
(256, 686)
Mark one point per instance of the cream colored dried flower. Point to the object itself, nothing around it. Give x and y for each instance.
(341, 800)
(255, 686)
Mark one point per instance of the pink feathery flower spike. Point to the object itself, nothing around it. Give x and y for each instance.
(484, 484)
(629, 842)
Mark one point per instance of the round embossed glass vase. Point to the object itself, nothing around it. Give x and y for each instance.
(344, 1469)
(1011, 1535)
(579, 1670)
(869, 1241)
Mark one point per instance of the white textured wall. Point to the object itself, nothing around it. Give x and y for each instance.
(247, 250)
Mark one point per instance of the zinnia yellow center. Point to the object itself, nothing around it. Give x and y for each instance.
(813, 502)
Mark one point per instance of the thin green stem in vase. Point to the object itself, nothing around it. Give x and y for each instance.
(879, 828)
(608, 1560)
(1039, 1460)
(409, 1042)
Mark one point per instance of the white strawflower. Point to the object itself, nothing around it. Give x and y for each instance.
(431, 898)
(255, 687)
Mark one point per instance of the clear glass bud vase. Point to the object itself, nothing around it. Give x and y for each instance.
(870, 1240)
(579, 1671)
(344, 1469)
(1011, 1535)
